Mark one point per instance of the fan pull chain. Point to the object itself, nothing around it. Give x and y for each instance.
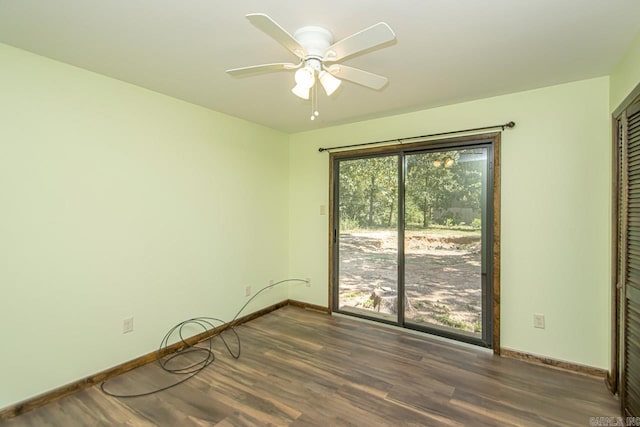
(314, 102)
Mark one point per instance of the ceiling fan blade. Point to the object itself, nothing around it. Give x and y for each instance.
(368, 38)
(264, 68)
(358, 76)
(276, 32)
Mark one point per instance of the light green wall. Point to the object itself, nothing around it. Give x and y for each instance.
(116, 201)
(626, 75)
(556, 181)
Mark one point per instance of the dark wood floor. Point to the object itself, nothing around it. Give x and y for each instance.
(305, 368)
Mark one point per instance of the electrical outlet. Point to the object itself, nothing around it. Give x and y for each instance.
(308, 284)
(127, 325)
(247, 291)
(323, 210)
(538, 321)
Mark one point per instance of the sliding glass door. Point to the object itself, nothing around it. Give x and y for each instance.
(411, 241)
(445, 201)
(368, 236)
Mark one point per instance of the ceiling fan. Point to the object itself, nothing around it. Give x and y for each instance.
(319, 56)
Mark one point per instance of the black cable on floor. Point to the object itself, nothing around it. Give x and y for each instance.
(194, 368)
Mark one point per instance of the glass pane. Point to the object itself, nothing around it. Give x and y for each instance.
(444, 200)
(368, 237)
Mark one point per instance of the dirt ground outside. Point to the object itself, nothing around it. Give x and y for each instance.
(442, 276)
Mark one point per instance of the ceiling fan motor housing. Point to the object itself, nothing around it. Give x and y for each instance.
(315, 41)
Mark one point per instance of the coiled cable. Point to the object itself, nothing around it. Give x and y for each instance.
(191, 369)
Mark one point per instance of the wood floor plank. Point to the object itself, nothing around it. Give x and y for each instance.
(304, 368)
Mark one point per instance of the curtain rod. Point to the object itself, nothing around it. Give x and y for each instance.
(400, 140)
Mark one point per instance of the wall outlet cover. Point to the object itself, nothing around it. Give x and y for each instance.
(127, 325)
(538, 321)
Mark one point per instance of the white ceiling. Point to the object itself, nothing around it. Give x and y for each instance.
(447, 51)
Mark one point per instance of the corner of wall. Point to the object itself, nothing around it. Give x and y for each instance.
(625, 77)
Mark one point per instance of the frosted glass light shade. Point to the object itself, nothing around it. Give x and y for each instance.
(329, 83)
(305, 77)
(301, 91)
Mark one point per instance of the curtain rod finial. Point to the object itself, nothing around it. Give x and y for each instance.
(511, 124)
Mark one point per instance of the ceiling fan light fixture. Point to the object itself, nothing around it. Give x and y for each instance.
(305, 77)
(301, 91)
(329, 83)
(314, 47)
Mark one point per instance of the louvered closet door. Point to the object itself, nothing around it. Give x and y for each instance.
(631, 285)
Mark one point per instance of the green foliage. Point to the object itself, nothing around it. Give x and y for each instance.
(476, 224)
(447, 320)
(442, 314)
(477, 327)
(348, 224)
(435, 181)
(368, 191)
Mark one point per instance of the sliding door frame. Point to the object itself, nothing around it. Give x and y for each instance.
(492, 139)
